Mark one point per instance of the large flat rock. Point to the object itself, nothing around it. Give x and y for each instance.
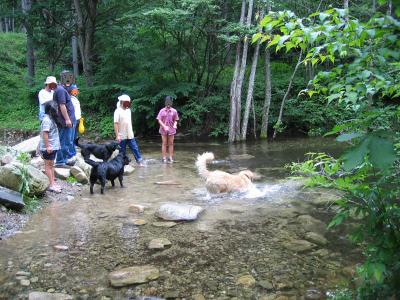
(179, 212)
(133, 275)
(11, 199)
(29, 145)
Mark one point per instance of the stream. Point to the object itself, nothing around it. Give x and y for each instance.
(268, 243)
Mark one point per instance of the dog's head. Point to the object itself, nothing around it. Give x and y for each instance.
(249, 174)
(111, 147)
(126, 160)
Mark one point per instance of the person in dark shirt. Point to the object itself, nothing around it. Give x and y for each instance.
(66, 118)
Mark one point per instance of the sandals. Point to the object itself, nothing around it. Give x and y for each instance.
(54, 189)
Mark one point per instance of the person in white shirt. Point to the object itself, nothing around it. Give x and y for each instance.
(123, 128)
(74, 92)
(46, 94)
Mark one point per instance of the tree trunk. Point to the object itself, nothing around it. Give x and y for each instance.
(267, 101)
(233, 115)
(242, 71)
(74, 44)
(390, 8)
(346, 7)
(30, 54)
(86, 30)
(374, 6)
(250, 89)
(286, 94)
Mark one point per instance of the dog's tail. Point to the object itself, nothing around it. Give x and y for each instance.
(93, 163)
(201, 163)
(77, 142)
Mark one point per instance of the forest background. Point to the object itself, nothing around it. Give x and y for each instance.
(150, 49)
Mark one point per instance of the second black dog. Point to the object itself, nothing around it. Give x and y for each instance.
(108, 170)
(103, 152)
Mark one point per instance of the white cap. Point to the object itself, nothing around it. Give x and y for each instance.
(124, 97)
(50, 79)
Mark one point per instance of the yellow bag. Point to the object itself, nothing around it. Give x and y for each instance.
(81, 127)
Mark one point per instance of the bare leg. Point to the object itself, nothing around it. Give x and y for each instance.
(164, 146)
(48, 169)
(171, 146)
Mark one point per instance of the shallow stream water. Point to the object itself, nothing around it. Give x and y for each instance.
(259, 233)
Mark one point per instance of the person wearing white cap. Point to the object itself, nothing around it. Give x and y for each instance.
(123, 127)
(46, 94)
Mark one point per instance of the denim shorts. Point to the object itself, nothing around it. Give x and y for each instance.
(48, 156)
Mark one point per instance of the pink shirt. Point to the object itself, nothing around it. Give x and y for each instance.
(168, 117)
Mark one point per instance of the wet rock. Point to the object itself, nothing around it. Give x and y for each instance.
(159, 243)
(10, 177)
(79, 175)
(80, 163)
(139, 222)
(164, 224)
(136, 208)
(313, 294)
(178, 212)
(321, 253)
(167, 182)
(316, 238)
(133, 275)
(49, 296)
(28, 146)
(22, 273)
(299, 245)
(62, 173)
(128, 170)
(34, 279)
(60, 247)
(311, 224)
(171, 295)
(246, 281)
(25, 282)
(266, 284)
(11, 199)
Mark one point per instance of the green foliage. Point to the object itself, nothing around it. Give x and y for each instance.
(71, 180)
(31, 204)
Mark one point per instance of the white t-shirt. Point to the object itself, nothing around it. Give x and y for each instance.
(45, 96)
(77, 107)
(124, 119)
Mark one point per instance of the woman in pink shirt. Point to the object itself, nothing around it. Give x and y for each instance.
(168, 120)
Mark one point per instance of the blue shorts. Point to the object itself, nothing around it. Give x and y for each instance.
(48, 156)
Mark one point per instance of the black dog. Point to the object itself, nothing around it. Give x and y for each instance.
(103, 152)
(107, 170)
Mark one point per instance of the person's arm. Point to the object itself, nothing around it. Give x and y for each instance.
(176, 120)
(65, 115)
(116, 131)
(162, 124)
(46, 141)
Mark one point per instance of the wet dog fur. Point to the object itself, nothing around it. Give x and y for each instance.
(103, 152)
(220, 181)
(108, 170)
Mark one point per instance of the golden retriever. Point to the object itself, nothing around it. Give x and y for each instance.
(220, 181)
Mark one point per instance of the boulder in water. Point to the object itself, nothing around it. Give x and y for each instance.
(133, 275)
(179, 212)
(49, 296)
(79, 175)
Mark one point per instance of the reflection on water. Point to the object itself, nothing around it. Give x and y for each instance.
(238, 234)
